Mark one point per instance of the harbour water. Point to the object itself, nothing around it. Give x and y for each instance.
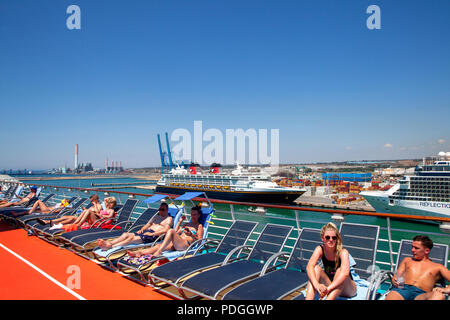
(400, 229)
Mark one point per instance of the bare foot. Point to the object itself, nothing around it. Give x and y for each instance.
(132, 254)
(104, 244)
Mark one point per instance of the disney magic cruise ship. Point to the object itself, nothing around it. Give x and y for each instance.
(240, 186)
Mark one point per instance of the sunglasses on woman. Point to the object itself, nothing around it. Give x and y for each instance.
(328, 237)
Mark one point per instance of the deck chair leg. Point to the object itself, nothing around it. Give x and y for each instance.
(183, 295)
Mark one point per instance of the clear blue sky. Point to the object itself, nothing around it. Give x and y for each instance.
(312, 69)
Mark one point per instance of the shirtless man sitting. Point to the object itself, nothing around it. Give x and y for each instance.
(420, 274)
(159, 224)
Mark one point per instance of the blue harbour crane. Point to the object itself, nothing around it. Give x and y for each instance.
(166, 156)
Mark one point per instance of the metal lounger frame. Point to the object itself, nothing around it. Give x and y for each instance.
(176, 283)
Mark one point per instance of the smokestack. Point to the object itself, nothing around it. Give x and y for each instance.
(76, 156)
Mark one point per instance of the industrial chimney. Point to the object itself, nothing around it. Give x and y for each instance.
(76, 156)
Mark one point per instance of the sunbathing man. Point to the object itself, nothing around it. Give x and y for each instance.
(23, 200)
(420, 274)
(178, 239)
(93, 210)
(159, 224)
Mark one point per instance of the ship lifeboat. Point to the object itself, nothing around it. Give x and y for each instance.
(219, 187)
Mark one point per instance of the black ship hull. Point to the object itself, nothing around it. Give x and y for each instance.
(269, 197)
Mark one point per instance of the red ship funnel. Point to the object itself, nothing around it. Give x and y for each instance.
(214, 170)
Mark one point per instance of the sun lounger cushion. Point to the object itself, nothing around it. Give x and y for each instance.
(209, 283)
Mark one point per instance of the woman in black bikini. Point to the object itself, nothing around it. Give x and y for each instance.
(179, 238)
(334, 279)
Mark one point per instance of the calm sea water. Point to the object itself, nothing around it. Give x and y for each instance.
(401, 229)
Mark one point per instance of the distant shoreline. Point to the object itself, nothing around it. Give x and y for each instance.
(76, 177)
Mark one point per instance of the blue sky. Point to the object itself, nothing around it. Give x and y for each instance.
(312, 69)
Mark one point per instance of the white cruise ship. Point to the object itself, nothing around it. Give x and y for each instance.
(425, 193)
(241, 186)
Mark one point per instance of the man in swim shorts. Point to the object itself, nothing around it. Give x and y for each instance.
(159, 224)
(420, 274)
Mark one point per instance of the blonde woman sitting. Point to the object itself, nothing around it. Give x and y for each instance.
(334, 279)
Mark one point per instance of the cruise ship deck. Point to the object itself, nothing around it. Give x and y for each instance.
(32, 268)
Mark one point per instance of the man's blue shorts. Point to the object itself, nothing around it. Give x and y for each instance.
(409, 292)
(146, 238)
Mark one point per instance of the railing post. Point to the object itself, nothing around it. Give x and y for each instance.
(391, 258)
(297, 220)
(232, 212)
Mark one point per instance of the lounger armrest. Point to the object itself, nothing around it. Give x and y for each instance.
(271, 259)
(120, 223)
(63, 211)
(160, 237)
(192, 245)
(100, 222)
(96, 221)
(378, 279)
(230, 254)
(136, 227)
(206, 242)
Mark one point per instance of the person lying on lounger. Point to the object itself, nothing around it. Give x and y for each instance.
(179, 238)
(420, 274)
(159, 224)
(41, 207)
(93, 213)
(334, 279)
(23, 200)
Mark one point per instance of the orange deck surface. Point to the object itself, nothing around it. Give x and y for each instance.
(18, 280)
